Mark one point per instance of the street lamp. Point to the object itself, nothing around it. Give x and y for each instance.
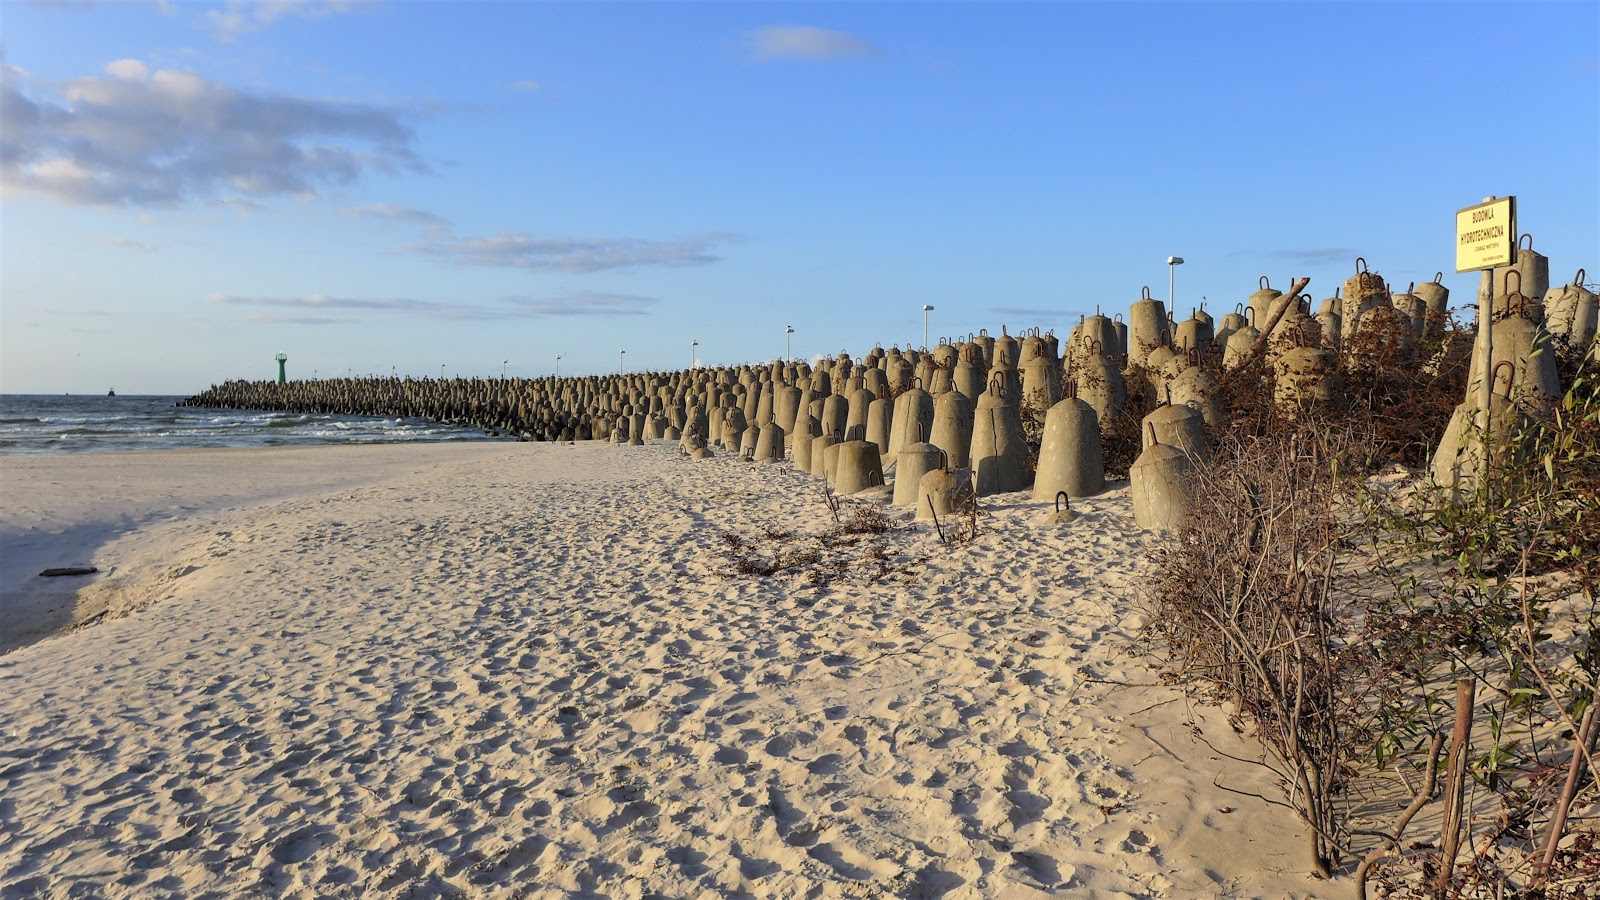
(925, 310)
(787, 331)
(503, 369)
(620, 355)
(1173, 262)
(558, 364)
(694, 354)
(441, 371)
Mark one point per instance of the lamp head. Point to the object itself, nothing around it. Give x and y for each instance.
(1174, 260)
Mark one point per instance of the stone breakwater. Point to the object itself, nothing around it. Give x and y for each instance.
(1005, 413)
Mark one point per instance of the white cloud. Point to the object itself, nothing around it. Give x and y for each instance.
(572, 254)
(135, 137)
(586, 303)
(242, 17)
(389, 212)
(805, 43)
(128, 69)
(124, 243)
(315, 308)
(524, 85)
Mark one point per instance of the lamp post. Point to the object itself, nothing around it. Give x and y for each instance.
(441, 371)
(788, 331)
(503, 369)
(620, 355)
(558, 364)
(694, 353)
(925, 310)
(1173, 262)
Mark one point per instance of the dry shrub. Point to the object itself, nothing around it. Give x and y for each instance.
(1337, 636)
(850, 548)
(866, 519)
(1243, 603)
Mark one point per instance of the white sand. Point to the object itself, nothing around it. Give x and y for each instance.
(520, 670)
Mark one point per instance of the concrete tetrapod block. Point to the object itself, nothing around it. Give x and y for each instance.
(1523, 367)
(1181, 426)
(786, 407)
(970, 378)
(1147, 319)
(944, 492)
(880, 415)
(952, 427)
(1195, 388)
(1305, 376)
(913, 420)
(1070, 455)
(859, 467)
(804, 440)
(820, 458)
(830, 460)
(1041, 385)
(1161, 482)
(769, 444)
(861, 401)
(999, 448)
(835, 414)
(1063, 512)
(1572, 311)
(748, 441)
(1459, 464)
(1261, 301)
(1101, 385)
(1238, 346)
(1529, 275)
(734, 425)
(915, 461)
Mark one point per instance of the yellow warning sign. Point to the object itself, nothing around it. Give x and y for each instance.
(1486, 235)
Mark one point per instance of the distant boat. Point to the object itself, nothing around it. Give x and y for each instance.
(111, 393)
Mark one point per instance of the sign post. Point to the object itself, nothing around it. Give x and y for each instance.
(1486, 237)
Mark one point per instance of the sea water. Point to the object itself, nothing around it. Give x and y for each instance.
(38, 423)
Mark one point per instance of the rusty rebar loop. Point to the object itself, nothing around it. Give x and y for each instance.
(1361, 266)
(1063, 502)
(1265, 283)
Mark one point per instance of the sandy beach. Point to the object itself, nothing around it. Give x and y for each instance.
(501, 670)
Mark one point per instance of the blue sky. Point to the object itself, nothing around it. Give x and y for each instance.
(189, 189)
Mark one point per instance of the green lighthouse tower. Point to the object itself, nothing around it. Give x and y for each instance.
(282, 358)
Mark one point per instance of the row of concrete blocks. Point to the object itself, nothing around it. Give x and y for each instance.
(926, 475)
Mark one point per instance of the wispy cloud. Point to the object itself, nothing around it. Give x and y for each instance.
(1037, 314)
(241, 17)
(123, 243)
(804, 43)
(284, 319)
(524, 85)
(1307, 256)
(586, 303)
(388, 212)
(163, 138)
(315, 309)
(573, 254)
